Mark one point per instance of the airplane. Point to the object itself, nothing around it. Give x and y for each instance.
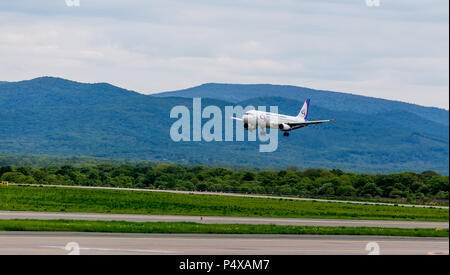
(285, 123)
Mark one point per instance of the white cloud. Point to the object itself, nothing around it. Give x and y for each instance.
(397, 51)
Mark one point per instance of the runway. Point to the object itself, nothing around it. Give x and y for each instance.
(37, 243)
(11, 215)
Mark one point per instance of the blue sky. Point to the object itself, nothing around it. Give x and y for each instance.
(399, 50)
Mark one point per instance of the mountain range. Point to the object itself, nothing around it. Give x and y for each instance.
(54, 116)
(330, 100)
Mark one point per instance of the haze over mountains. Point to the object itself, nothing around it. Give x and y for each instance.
(54, 116)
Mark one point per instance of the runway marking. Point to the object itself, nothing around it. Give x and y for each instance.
(438, 253)
(114, 249)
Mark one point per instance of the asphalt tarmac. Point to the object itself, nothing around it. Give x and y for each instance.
(11, 215)
(49, 243)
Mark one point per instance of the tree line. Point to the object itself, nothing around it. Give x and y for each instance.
(428, 185)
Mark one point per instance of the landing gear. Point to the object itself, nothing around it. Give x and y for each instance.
(286, 134)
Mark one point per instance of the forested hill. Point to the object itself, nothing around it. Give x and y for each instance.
(327, 99)
(421, 187)
(52, 116)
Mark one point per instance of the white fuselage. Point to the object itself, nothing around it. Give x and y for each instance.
(262, 119)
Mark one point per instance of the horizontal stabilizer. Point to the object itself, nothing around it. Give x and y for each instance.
(236, 118)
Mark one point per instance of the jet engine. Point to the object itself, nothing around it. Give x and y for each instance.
(284, 127)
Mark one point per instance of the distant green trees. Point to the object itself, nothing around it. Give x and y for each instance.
(312, 182)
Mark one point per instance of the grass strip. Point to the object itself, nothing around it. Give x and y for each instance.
(197, 228)
(53, 199)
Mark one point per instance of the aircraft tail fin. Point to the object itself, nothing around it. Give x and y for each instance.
(304, 111)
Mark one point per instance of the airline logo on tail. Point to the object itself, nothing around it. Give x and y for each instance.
(304, 111)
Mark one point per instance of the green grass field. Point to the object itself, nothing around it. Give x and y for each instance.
(52, 199)
(196, 228)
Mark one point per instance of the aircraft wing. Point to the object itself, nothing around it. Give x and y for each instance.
(236, 118)
(307, 123)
